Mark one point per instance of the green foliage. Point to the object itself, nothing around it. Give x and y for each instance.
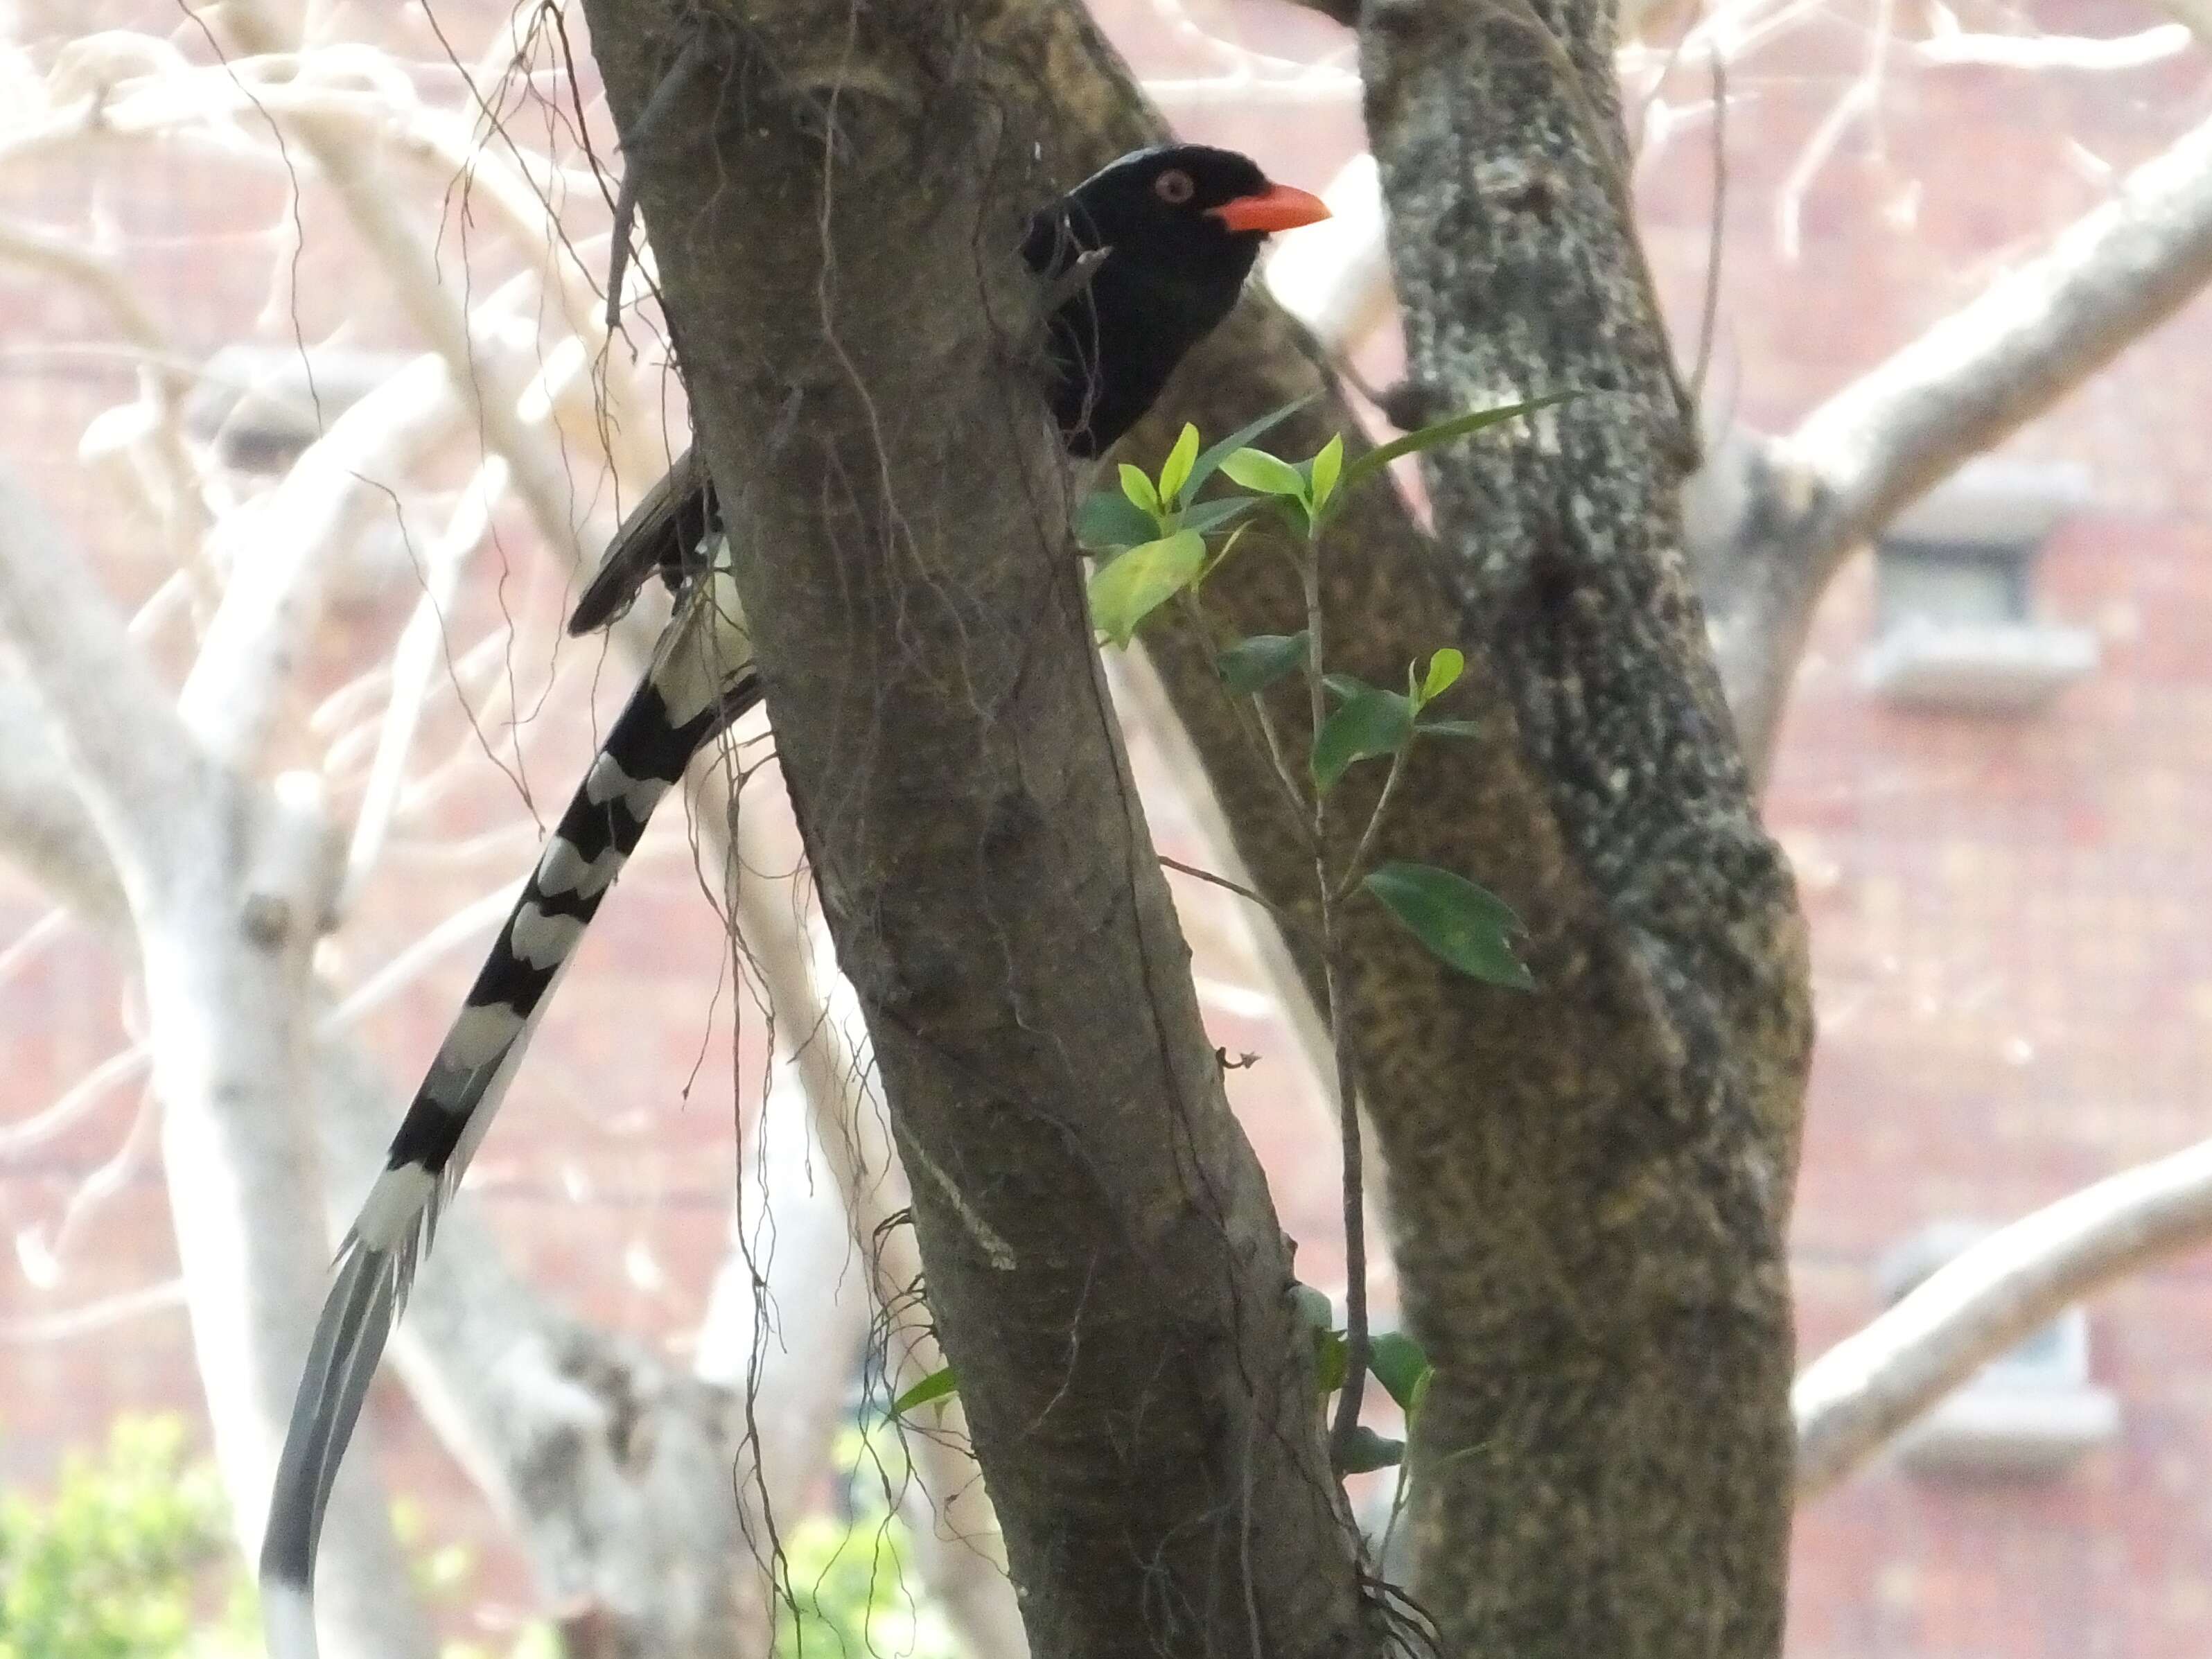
(1444, 669)
(936, 1386)
(1261, 473)
(1129, 587)
(1175, 471)
(1140, 490)
(1400, 1367)
(1207, 517)
(1393, 1358)
(1108, 521)
(1255, 663)
(1466, 925)
(852, 1592)
(129, 1558)
(1322, 472)
(1152, 538)
(1370, 722)
(1209, 462)
(1459, 425)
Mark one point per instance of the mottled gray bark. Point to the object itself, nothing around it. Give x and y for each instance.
(1588, 1186)
(1103, 1266)
(1597, 1259)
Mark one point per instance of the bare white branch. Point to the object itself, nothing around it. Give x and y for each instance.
(132, 763)
(284, 550)
(93, 1317)
(469, 923)
(76, 1101)
(414, 661)
(490, 388)
(1975, 377)
(1857, 102)
(1950, 44)
(1851, 1400)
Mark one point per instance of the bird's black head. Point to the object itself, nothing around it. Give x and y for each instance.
(1186, 208)
(1180, 226)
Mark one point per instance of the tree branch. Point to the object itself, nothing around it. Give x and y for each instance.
(1802, 503)
(1854, 1398)
(490, 389)
(1137, 1391)
(226, 891)
(133, 764)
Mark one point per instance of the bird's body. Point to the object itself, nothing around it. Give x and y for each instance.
(1170, 235)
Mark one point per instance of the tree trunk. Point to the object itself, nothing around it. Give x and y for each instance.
(834, 209)
(1600, 1270)
(1589, 1187)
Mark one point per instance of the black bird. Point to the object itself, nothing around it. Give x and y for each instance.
(1151, 250)
(1178, 227)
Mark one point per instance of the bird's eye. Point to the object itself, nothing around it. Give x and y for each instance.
(1173, 187)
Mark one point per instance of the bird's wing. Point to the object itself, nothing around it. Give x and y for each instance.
(665, 533)
(701, 678)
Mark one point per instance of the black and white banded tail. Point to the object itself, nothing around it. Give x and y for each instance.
(701, 680)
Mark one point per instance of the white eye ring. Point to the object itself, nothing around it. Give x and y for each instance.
(1173, 187)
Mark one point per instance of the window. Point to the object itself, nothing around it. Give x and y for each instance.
(1955, 580)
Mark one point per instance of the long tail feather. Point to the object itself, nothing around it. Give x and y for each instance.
(701, 680)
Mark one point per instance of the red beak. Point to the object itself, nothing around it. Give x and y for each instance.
(1279, 207)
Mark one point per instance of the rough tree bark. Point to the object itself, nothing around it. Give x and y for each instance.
(1959, 389)
(1589, 1187)
(1599, 1261)
(834, 212)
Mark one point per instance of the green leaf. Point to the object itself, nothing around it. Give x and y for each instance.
(1256, 469)
(1330, 1355)
(1464, 926)
(1326, 467)
(1108, 521)
(1364, 1450)
(1130, 588)
(1364, 725)
(1441, 432)
(1255, 663)
(1399, 1366)
(936, 1386)
(1138, 488)
(1444, 669)
(1291, 510)
(1175, 471)
(1209, 516)
(1210, 460)
(1343, 686)
(1449, 729)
